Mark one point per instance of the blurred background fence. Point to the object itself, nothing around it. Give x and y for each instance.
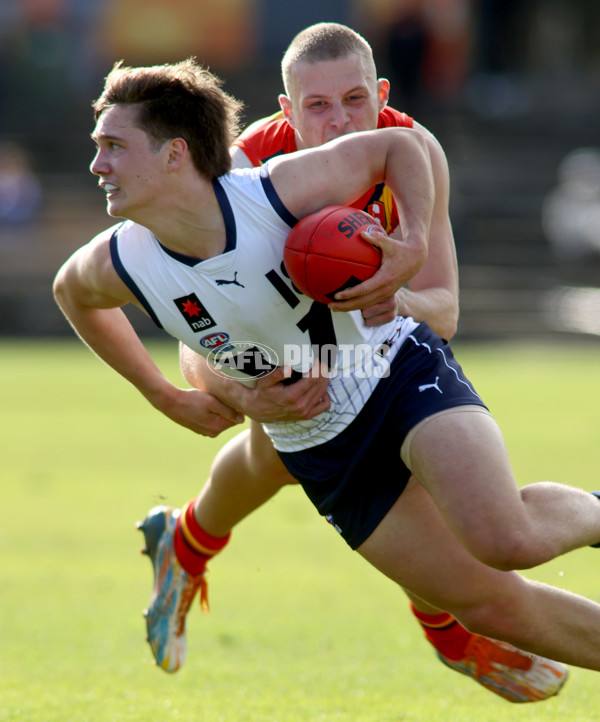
(511, 88)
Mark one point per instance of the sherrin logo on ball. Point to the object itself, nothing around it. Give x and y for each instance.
(324, 252)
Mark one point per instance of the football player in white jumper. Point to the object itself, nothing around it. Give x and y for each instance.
(454, 534)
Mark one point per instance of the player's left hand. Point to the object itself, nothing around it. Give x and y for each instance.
(379, 290)
(273, 400)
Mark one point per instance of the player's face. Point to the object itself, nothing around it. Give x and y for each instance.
(331, 98)
(129, 168)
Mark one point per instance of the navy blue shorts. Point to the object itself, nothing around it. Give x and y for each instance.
(355, 478)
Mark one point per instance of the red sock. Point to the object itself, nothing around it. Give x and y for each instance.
(446, 634)
(193, 546)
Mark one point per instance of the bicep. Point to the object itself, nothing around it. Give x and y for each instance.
(335, 173)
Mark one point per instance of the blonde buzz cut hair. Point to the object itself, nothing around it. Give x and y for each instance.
(325, 41)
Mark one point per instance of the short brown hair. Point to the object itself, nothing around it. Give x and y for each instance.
(325, 41)
(179, 100)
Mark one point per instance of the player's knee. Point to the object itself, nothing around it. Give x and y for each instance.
(506, 543)
(512, 548)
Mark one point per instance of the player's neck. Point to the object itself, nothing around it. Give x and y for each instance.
(189, 223)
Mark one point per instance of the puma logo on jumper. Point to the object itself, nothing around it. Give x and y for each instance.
(224, 282)
(434, 385)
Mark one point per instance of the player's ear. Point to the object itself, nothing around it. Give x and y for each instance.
(178, 151)
(285, 104)
(383, 92)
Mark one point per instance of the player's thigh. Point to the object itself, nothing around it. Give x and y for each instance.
(264, 459)
(461, 460)
(414, 547)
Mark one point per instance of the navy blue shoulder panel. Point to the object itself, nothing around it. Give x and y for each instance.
(127, 280)
(230, 228)
(274, 199)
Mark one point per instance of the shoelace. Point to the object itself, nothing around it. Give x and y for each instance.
(484, 652)
(193, 584)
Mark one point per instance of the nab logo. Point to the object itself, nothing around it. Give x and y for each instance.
(196, 315)
(214, 340)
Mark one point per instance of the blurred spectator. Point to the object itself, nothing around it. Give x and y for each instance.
(448, 24)
(20, 190)
(571, 211)
(503, 35)
(221, 34)
(497, 88)
(406, 44)
(426, 48)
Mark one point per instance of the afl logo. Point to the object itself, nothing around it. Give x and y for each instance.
(214, 340)
(242, 360)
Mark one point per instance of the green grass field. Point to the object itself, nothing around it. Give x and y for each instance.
(300, 628)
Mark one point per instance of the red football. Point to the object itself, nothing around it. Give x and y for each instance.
(324, 252)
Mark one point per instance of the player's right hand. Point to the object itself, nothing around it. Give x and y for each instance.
(398, 265)
(199, 411)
